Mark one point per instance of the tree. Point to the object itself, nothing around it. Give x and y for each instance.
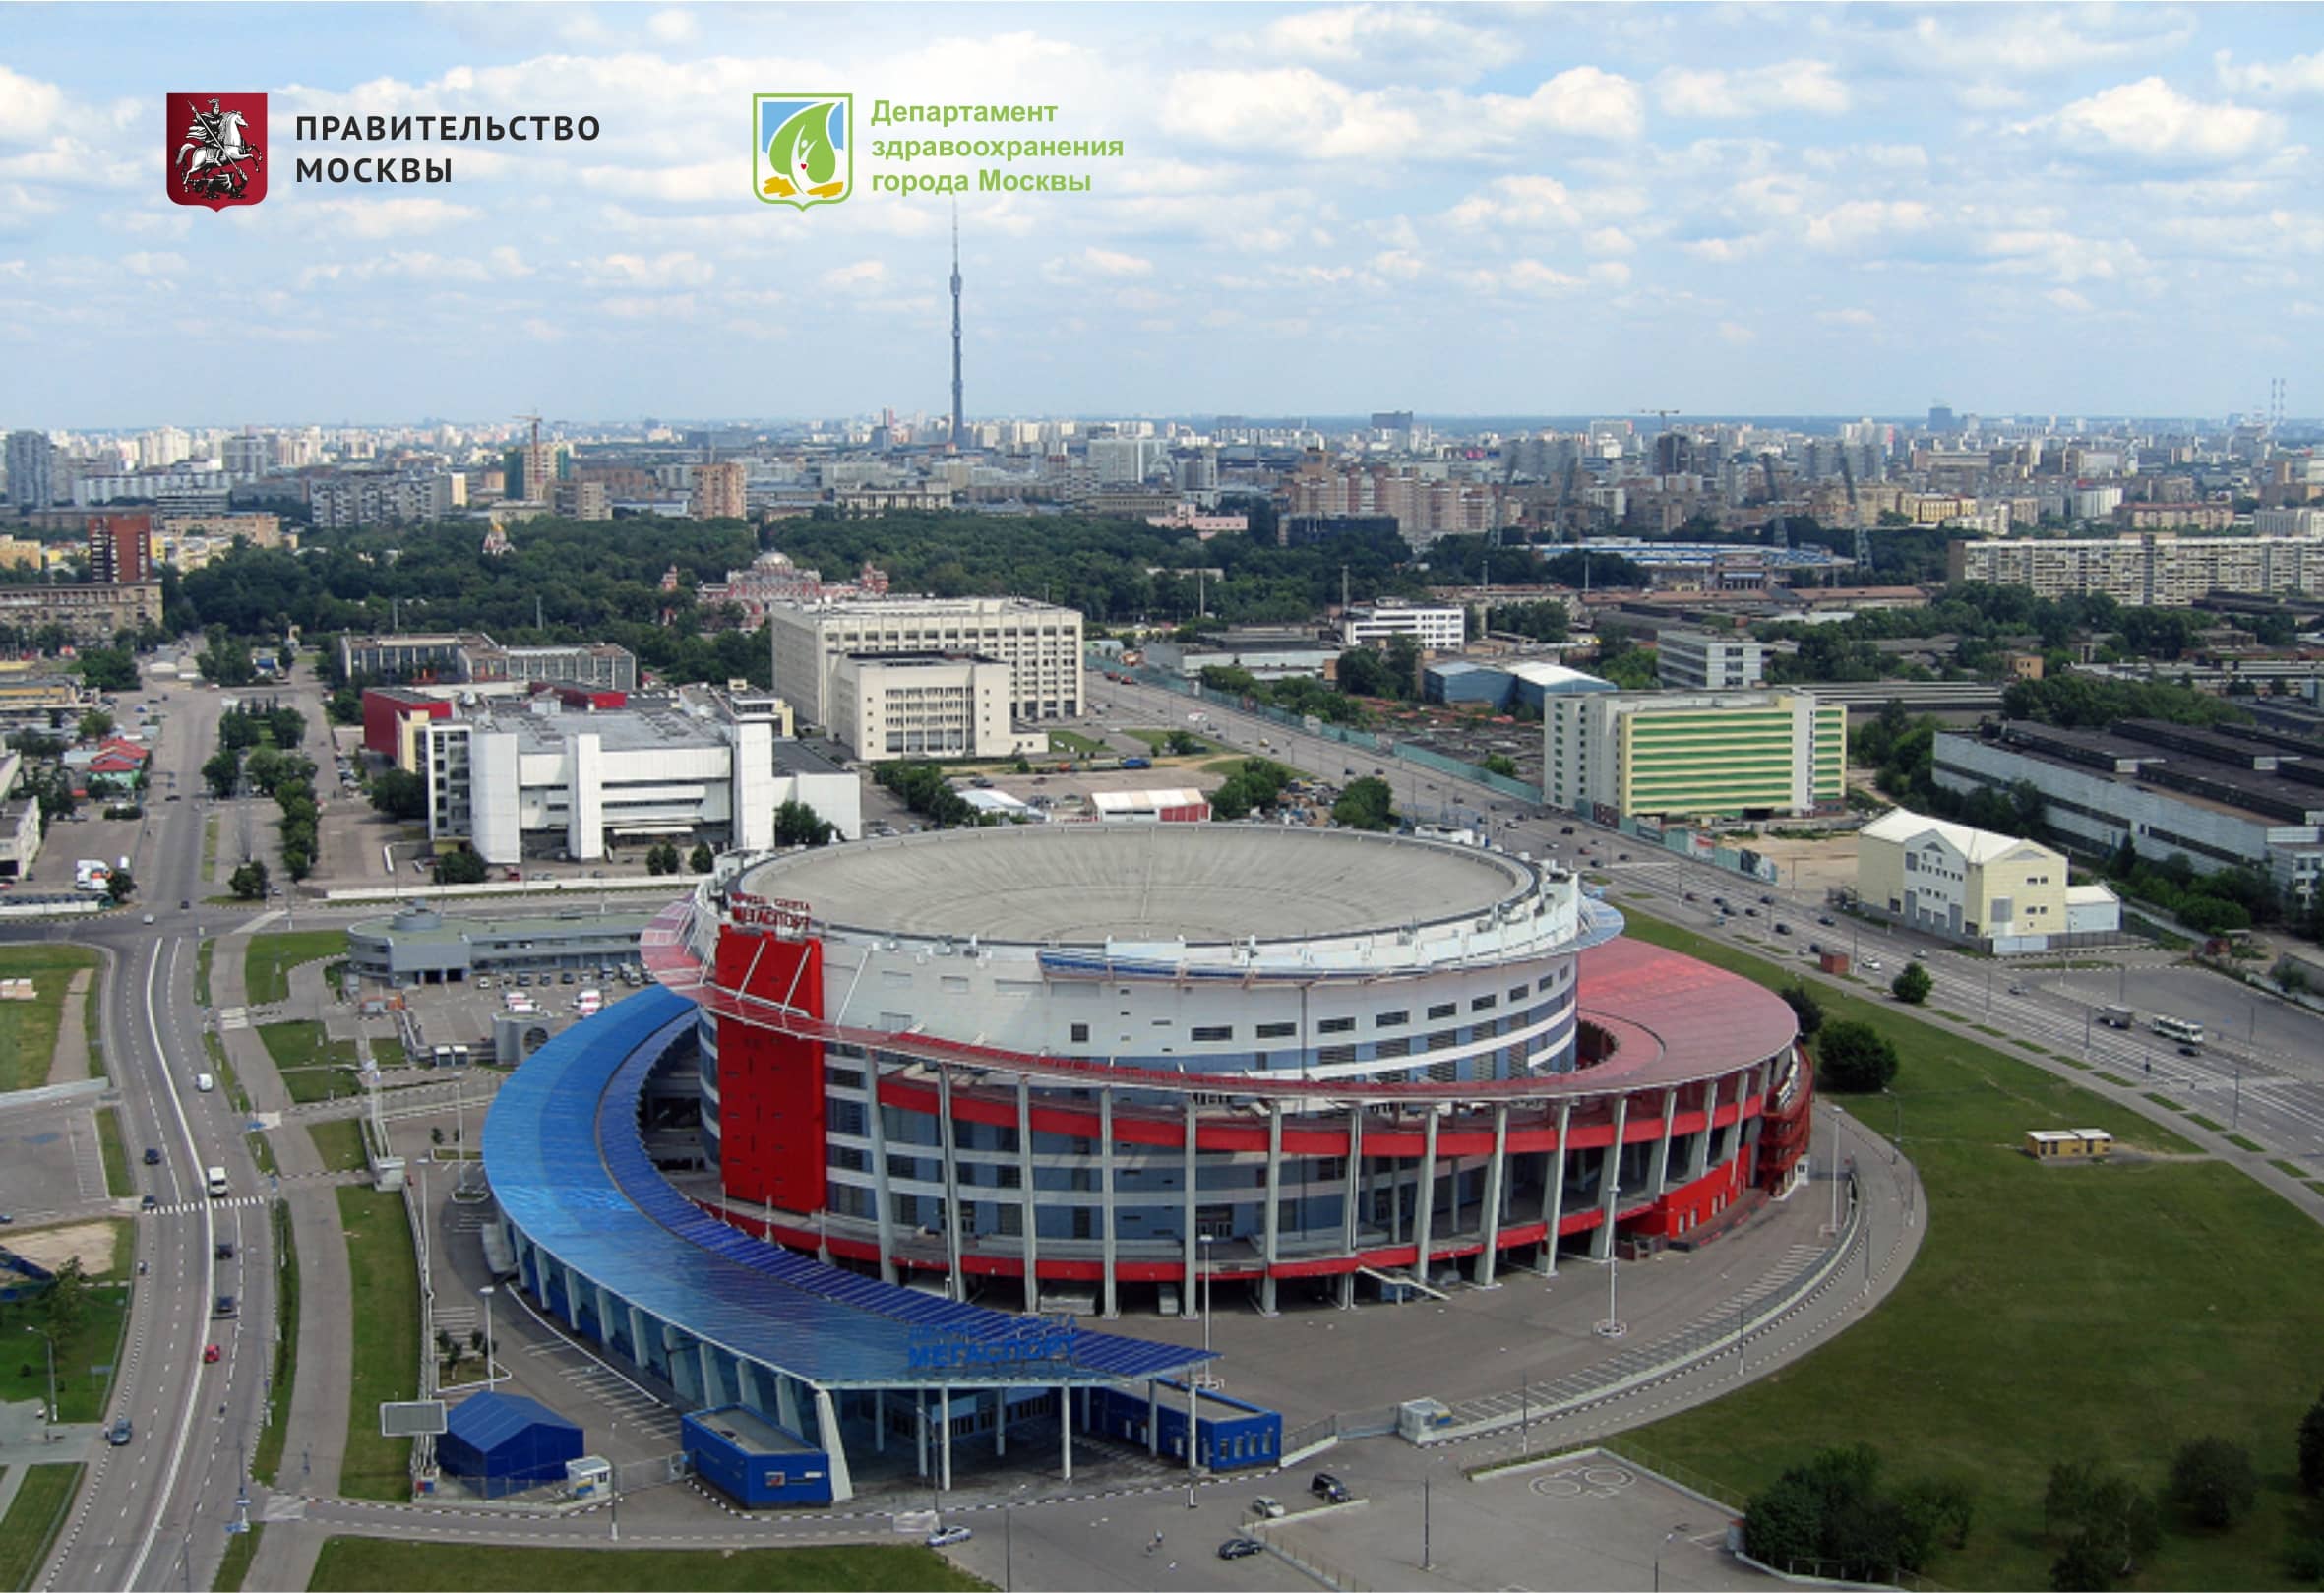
(108, 669)
(2104, 1521)
(222, 771)
(1855, 1058)
(68, 1297)
(1365, 804)
(96, 726)
(1181, 744)
(1501, 763)
(249, 881)
(463, 867)
(400, 794)
(2212, 1480)
(1805, 1006)
(2311, 1448)
(1363, 672)
(1912, 984)
(798, 825)
(699, 860)
(119, 887)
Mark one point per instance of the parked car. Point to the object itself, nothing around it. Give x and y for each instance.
(1324, 1485)
(945, 1537)
(1240, 1548)
(1268, 1506)
(1825, 920)
(1783, 929)
(1750, 912)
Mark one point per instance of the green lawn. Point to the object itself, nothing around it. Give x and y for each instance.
(340, 1142)
(1072, 745)
(384, 1312)
(314, 1067)
(264, 1464)
(27, 1028)
(34, 1517)
(2202, 1122)
(2115, 1311)
(233, 1569)
(1156, 738)
(389, 1564)
(2163, 1101)
(210, 850)
(109, 1138)
(93, 1028)
(201, 956)
(268, 962)
(95, 1340)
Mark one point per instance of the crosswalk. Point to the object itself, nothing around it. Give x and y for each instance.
(233, 1018)
(176, 1208)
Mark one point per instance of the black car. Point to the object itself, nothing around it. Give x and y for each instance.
(1783, 929)
(1825, 920)
(1240, 1548)
(149, 1203)
(226, 1305)
(120, 1431)
(152, 1157)
(1567, 829)
(1766, 902)
(225, 1249)
(1325, 1486)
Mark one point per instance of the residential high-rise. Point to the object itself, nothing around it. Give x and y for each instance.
(1699, 661)
(958, 425)
(717, 492)
(1692, 755)
(120, 549)
(31, 470)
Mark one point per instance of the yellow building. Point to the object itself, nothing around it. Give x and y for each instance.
(1692, 755)
(1975, 884)
(2068, 1144)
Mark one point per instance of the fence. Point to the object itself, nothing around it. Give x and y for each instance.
(1547, 1401)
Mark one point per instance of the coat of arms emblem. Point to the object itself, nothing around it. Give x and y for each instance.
(217, 146)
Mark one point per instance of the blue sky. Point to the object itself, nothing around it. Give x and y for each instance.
(1531, 208)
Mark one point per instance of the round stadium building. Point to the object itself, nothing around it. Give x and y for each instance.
(1094, 1063)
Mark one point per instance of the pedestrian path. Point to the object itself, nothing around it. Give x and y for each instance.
(68, 1064)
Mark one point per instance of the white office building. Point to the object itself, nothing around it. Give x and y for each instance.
(1039, 642)
(887, 706)
(1706, 661)
(539, 781)
(1438, 628)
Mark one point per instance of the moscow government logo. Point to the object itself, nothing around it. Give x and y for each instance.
(217, 148)
(803, 148)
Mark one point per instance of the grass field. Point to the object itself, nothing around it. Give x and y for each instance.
(202, 958)
(2114, 1309)
(210, 850)
(109, 1138)
(82, 1393)
(2202, 1122)
(27, 1028)
(233, 1567)
(340, 1142)
(394, 1564)
(314, 1068)
(268, 1459)
(267, 964)
(384, 1312)
(92, 1027)
(1066, 743)
(34, 1517)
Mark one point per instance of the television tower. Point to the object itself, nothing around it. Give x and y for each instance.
(957, 421)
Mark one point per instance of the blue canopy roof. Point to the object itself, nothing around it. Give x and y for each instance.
(488, 1420)
(564, 1154)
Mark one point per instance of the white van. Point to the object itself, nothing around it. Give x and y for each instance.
(205, 1083)
(217, 1181)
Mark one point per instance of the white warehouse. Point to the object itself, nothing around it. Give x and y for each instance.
(547, 781)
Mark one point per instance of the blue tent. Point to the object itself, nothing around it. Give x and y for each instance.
(504, 1443)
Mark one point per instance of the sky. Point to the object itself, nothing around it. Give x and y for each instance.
(1319, 209)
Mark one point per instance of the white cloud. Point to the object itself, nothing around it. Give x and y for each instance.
(2298, 76)
(1299, 113)
(29, 108)
(2065, 298)
(1109, 262)
(1783, 87)
(644, 307)
(1735, 333)
(2022, 42)
(678, 269)
(1400, 39)
(383, 217)
(1610, 240)
(671, 27)
(1990, 96)
(1860, 221)
(862, 274)
(540, 331)
(1518, 202)
(1851, 317)
(167, 263)
(2152, 120)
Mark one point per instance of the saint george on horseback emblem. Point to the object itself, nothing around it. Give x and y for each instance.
(217, 148)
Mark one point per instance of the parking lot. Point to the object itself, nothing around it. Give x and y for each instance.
(50, 1163)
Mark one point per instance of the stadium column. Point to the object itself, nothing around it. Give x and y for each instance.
(1494, 1175)
(1105, 1198)
(1698, 1159)
(1030, 1220)
(1557, 1172)
(1194, 1423)
(1269, 1230)
(1662, 1155)
(1352, 1202)
(944, 1427)
(1065, 1427)
(1610, 1184)
(1154, 1416)
(954, 1283)
(1187, 1214)
(1734, 1140)
(826, 1421)
(886, 1215)
(1425, 1209)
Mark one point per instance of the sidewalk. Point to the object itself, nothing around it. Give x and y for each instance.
(317, 1414)
(69, 1065)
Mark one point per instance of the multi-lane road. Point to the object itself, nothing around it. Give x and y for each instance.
(154, 1513)
(2261, 1070)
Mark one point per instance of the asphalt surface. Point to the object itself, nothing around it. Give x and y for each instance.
(2260, 1072)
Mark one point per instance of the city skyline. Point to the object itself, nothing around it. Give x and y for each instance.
(1470, 211)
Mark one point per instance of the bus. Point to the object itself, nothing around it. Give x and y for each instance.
(2116, 1018)
(2179, 1029)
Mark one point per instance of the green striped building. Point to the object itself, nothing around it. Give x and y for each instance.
(1694, 754)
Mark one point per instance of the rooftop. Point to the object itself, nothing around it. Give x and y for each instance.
(1902, 825)
(419, 925)
(1086, 884)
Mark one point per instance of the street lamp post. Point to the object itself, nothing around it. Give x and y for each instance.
(1206, 1241)
(491, 1373)
(48, 1426)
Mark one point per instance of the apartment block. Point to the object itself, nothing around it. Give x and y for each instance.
(2148, 569)
(1039, 642)
(1692, 755)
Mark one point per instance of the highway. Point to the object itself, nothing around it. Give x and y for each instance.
(154, 1513)
(2261, 1071)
